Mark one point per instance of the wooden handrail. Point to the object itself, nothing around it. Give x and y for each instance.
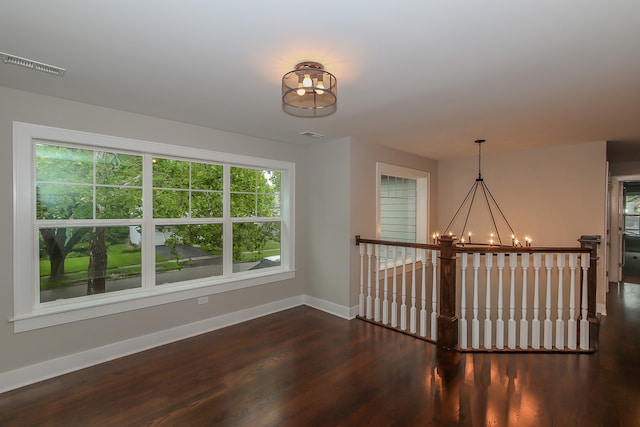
(392, 243)
(480, 248)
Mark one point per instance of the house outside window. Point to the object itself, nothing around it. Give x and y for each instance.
(122, 224)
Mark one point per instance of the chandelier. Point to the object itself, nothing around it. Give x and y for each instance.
(309, 91)
(479, 190)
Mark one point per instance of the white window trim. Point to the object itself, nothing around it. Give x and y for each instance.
(29, 314)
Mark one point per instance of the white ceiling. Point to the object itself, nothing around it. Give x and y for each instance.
(423, 76)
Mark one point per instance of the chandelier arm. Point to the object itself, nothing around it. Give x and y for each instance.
(460, 207)
(485, 189)
(500, 210)
(466, 220)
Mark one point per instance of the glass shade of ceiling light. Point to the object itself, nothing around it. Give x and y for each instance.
(309, 91)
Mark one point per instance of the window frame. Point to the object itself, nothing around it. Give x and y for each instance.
(30, 314)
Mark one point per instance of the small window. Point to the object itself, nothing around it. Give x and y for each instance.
(402, 198)
(398, 199)
(402, 201)
(632, 210)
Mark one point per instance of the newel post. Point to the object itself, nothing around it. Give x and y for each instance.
(592, 242)
(447, 320)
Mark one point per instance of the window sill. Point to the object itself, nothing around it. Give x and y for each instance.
(72, 311)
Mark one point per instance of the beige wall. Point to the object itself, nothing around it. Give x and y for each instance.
(27, 348)
(341, 203)
(554, 194)
(363, 195)
(327, 205)
(624, 168)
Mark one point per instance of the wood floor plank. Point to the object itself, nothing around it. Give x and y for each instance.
(303, 367)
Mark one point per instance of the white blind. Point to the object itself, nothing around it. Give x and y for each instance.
(398, 208)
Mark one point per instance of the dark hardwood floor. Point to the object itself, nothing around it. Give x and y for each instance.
(303, 367)
(631, 268)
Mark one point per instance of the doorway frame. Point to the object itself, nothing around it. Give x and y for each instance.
(616, 204)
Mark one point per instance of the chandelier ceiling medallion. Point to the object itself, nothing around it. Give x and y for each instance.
(309, 91)
(479, 189)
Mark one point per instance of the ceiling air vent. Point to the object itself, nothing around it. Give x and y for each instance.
(311, 134)
(34, 65)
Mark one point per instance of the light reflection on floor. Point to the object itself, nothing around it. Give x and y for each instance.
(511, 390)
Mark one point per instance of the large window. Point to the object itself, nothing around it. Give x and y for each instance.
(123, 224)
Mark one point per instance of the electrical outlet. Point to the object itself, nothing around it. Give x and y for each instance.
(203, 300)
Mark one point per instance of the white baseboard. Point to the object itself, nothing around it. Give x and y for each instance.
(330, 307)
(52, 368)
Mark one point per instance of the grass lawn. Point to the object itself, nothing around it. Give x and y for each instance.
(122, 260)
(118, 256)
(125, 260)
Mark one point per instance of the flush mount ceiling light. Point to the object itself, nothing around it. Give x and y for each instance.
(309, 91)
(34, 65)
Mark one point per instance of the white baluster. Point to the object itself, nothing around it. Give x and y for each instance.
(584, 321)
(434, 295)
(385, 300)
(369, 297)
(463, 300)
(560, 320)
(488, 325)
(403, 306)
(414, 311)
(548, 324)
(500, 321)
(423, 294)
(524, 322)
(535, 323)
(394, 296)
(572, 330)
(376, 301)
(475, 323)
(361, 297)
(513, 263)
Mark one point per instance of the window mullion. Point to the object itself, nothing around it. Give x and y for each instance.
(94, 187)
(227, 230)
(148, 225)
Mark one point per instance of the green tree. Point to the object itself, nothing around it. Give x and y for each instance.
(61, 193)
(68, 182)
(75, 183)
(254, 193)
(118, 196)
